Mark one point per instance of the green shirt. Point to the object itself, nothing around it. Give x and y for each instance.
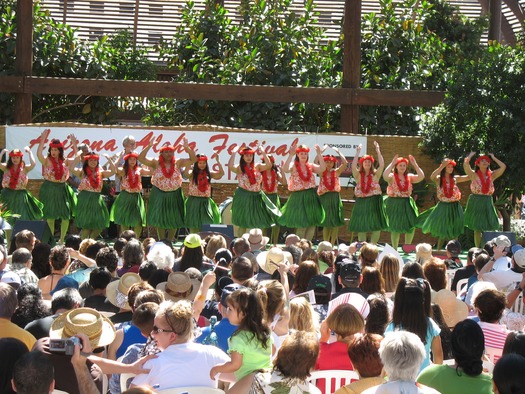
(445, 379)
(254, 355)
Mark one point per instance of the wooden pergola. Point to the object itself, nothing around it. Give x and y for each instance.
(350, 96)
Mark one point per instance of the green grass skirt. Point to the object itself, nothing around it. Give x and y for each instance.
(333, 209)
(253, 210)
(274, 197)
(368, 215)
(59, 200)
(444, 220)
(22, 203)
(480, 213)
(401, 213)
(201, 210)
(128, 210)
(303, 209)
(166, 209)
(91, 212)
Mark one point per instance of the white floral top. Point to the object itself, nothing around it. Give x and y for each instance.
(193, 190)
(275, 383)
(456, 194)
(475, 187)
(86, 185)
(124, 185)
(20, 184)
(375, 189)
(296, 183)
(244, 181)
(393, 190)
(48, 172)
(166, 184)
(322, 189)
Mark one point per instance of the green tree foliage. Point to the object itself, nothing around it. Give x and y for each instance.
(483, 112)
(270, 46)
(59, 53)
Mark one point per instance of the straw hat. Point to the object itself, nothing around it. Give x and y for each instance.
(91, 322)
(179, 287)
(454, 310)
(256, 239)
(117, 291)
(269, 261)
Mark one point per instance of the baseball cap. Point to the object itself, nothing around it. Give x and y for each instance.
(320, 283)
(192, 241)
(11, 278)
(349, 270)
(454, 247)
(228, 290)
(501, 241)
(518, 253)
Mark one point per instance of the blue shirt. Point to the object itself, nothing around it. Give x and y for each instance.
(224, 330)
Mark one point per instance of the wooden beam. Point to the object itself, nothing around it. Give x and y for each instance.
(495, 20)
(195, 91)
(24, 58)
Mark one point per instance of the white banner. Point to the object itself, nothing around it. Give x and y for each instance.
(211, 143)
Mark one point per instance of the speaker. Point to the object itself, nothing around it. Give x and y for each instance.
(38, 227)
(226, 230)
(490, 235)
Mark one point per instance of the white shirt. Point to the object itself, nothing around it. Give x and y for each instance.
(502, 264)
(400, 387)
(182, 365)
(505, 281)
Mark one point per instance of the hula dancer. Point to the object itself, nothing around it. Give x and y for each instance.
(166, 200)
(329, 190)
(480, 213)
(445, 220)
(368, 213)
(128, 208)
(251, 208)
(91, 213)
(303, 210)
(200, 208)
(15, 195)
(57, 196)
(401, 209)
(270, 182)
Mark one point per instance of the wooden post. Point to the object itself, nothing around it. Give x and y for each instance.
(24, 58)
(495, 20)
(351, 62)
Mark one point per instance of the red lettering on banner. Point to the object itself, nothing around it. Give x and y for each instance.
(219, 148)
(144, 142)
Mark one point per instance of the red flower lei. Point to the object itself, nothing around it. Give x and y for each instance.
(448, 187)
(202, 181)
(165, 172)
(94, 179)
(249, 171)
(305, 177)
(269, 187)
(366, 185)
(133, 178)
(329, 179)
(58, 168)
(403, 188)
(485, 182)
(15, 175)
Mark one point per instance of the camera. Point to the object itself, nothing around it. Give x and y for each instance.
(66, 346)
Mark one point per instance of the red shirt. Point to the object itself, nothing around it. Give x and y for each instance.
(332, 356)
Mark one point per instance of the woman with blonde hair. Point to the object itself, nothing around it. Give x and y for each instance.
(302, 316)
(368, 255)
(389, 270)
(213, 244)
(273, 296)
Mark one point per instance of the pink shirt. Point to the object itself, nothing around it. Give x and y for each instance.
(125, 183)
(193, 190)
(456, 194)
(475, 187)
(375, 188)
(393, 190)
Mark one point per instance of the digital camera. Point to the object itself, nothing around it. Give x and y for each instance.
(66, 346)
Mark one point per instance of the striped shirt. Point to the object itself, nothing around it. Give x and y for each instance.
(495, 336)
